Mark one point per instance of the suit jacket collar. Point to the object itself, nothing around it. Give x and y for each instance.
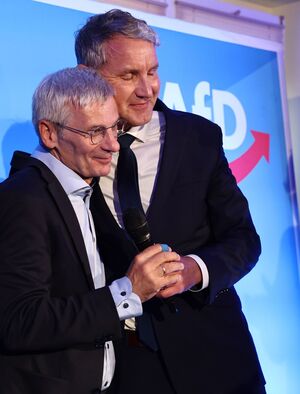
(64, 207)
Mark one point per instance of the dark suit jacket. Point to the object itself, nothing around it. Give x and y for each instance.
(196, 208)
(53, 323)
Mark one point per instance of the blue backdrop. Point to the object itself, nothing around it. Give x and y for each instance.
(234, 84)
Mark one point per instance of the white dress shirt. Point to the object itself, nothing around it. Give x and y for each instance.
(79, 192)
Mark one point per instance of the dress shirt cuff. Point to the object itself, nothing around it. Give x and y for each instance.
(128, 303)
(205, 276)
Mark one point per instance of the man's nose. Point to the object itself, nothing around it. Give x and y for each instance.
(144, 87)
(110, 141)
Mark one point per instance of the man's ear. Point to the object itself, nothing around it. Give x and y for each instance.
(48, 134)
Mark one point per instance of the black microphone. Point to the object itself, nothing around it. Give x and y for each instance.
(136, 225)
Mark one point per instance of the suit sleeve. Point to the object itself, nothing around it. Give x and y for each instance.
(233, 246)
(45, 302)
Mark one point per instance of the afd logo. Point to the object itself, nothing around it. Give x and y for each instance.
(220, 100)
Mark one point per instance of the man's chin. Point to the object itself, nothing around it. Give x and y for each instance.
(139, 120)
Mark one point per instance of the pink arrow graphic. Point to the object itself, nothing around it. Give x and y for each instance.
(243, 165)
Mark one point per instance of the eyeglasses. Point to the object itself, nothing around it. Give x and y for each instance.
(97, 133)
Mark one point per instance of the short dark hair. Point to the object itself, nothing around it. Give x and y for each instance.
(90, 39)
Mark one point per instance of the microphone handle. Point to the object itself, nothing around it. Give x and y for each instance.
(136, 225)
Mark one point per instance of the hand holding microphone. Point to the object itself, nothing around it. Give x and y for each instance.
(156, 267)
(153, 270)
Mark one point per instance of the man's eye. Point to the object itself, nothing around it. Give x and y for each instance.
(98, 130)
(153, 71)
(127, 77)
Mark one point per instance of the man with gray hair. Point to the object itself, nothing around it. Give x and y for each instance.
(59, 317)
(191, 200)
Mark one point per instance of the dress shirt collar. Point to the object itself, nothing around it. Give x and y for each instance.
(71, 182)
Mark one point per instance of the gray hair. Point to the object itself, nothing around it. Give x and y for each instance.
(91, 38)
(77, 87)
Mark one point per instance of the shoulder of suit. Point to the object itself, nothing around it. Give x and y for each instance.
(187, 117)
(196, 126)
(27, 171)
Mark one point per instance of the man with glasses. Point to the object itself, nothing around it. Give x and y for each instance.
(59, 318)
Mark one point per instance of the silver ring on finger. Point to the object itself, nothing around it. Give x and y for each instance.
(163, 270)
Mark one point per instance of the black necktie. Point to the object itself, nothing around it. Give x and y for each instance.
(129, 197)
(127, 176)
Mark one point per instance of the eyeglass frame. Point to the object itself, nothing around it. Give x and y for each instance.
(91, 133)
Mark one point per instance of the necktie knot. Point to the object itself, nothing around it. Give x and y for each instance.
(126, 140)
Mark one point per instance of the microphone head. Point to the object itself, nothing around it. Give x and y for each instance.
(136, 225)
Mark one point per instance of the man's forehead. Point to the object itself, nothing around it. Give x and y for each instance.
(97, 109)
(119, 44)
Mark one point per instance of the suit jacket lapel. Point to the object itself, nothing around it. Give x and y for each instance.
(116, 249)
(64, 207)
(67, 212)
(174, 146)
